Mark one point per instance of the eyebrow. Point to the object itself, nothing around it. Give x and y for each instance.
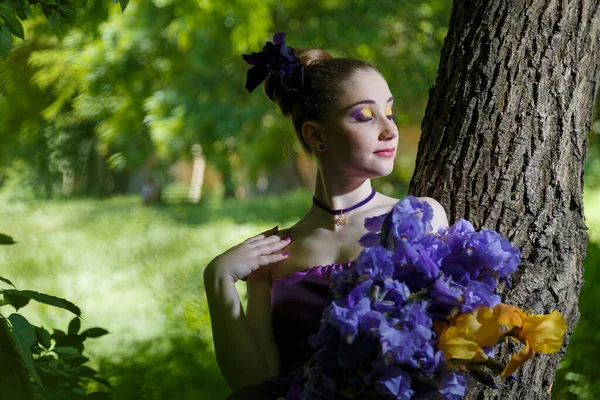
(366, 102)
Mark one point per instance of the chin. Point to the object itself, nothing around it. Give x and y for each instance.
(381, 171)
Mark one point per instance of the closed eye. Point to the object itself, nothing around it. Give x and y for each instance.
(362, 115)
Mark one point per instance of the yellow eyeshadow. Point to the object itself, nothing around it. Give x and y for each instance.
(366, 111)
(388, 110)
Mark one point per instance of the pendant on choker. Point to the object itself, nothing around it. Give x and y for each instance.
(340, 220)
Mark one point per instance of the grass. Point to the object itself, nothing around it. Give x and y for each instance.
(137, 271)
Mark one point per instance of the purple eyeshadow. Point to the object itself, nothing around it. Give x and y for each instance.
(359, 116)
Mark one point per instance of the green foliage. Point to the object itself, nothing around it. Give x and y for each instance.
(166, 75)
(54, 361)
(5, 239)
(20, 298)
(576, 378)
(13, 12)
(60, 362)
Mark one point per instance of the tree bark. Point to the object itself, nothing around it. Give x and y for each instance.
(503, 145)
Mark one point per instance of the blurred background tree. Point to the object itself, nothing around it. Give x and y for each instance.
(117, 89)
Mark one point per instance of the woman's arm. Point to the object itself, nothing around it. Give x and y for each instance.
(239, 355)
(259, 317)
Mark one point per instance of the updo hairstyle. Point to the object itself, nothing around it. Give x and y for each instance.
(324, 76)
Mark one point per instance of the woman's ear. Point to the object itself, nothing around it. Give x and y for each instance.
(312, 134)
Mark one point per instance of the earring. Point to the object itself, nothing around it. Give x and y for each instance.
(322, 146)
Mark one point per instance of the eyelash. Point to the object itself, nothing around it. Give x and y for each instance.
(367, 119)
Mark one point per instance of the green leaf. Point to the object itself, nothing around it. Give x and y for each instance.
(53, 20)
(84, 370)
(42, 298)
(43, 337)
(74, 326)
(79, 391)
(21, 334)
(58, 334)
(124, 4)
(9, 14)
(5, 41)
(94, 332)
(14, 300)
(102, 381)
(5, 239)
(23, 9)
(23, 329)
(100, 395)
(7, 281)
(75, 341)
(66, 11)
(69, 352)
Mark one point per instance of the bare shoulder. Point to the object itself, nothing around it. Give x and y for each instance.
(439, 214)
(386, 204)
(432, 202)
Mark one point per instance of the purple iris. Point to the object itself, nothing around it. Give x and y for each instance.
(406, 253)
(375, 262)
(377, 332)
(390, 380)
(478, 294)
(398, 293)
(454, 385)
(436, 247)
(375, 224)
(425, 265)
(319, 386)
(345, 320)
(278, 59)
(447, 292)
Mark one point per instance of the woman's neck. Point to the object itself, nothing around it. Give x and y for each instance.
(338, 194)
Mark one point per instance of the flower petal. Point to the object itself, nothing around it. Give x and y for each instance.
(517, 360)
(544, 332)
(509, 315)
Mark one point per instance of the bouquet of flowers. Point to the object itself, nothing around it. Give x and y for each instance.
(416, 317)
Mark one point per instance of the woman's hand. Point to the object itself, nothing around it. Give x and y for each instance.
(241, 260)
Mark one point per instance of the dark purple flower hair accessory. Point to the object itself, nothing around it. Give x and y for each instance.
(278, 59)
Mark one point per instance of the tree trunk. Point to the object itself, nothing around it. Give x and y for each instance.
(503, 145)
(198, 168)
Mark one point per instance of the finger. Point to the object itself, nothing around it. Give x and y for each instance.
(272, 258)
(269, 245)
(284, 233)
(262, 235)
(265, 241)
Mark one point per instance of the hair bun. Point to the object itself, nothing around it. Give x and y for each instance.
(312, 57)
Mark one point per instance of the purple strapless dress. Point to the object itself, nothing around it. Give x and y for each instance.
(297, 304)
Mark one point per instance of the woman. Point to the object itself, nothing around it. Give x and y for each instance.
(341, 111)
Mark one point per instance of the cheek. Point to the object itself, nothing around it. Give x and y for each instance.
(353, 139)
(360, 137)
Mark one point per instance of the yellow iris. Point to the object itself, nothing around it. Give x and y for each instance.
(540, 334)
(464, 335)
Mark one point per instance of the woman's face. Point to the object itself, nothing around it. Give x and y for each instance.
(361, 125)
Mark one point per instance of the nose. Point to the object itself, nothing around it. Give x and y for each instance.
(389, 130)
